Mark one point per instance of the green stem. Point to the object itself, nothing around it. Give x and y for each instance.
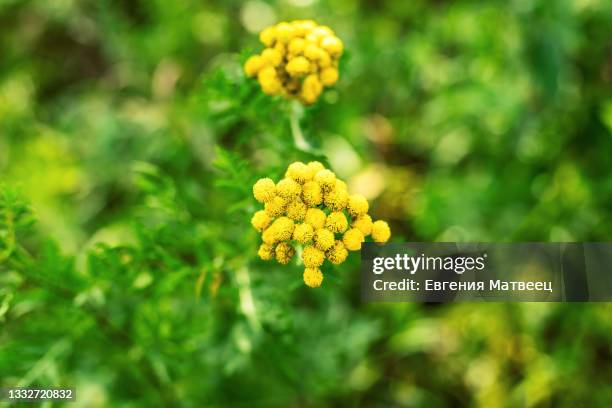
(298, 137)
(247, 301)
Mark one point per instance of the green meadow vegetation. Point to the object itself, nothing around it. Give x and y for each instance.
(130, 140)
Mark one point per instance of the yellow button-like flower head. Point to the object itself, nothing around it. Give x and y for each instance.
(296, 210)
(260, 220)
(272, 56)
(269, 81)
(341, 185)
(253, 65)
(325, 61)
(313, 277)
(275, 207)
(284, 252)
(269, 236)
(299, 172)
(357, 205)
(329, 76)
(381, 231)
(266, 252)
(298, 66)
(268, 36)
(283, 228)
(288, 189)
(336, 222)
(323, 239)
(296, 46)
(352, 239)
(312, 257)
(284, 32)
(333, 45)
(363, 223)
(326, 179)
(315, 167)
(312, 52)
(316, 218)
(311, 89)
(281, 48)
(336, 199)
(323, 31)
(270, 86)
(312, 194)
(337, 253)
(264, 190)
(303, 233)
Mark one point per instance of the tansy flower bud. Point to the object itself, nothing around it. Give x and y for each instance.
(312, 38)
(311, 89)
(352, 239)
(311, 193)
(306, 24)
(284, 32)
(323, 239)
(281, 48)
(336, 222)
(268, 36)
(303, 233)
(299, 172)
(329, 76)
(312, 257)
(336, 199)
(271, 86)
(284, 252)
(337, 253)
(288, 189)
(381, 231)
(269, 81)
(269, 236)
(341, 185)
(267, 72)
(315, 217)
(357, 205)
(260, 220)
(326, 179)
(283, 228)
(325, 61)
(364, 224)
(264, 190)
(312, 52)
(323, 31)
(313, 277)
(298, 66)
(253, 65)
(296, 46)
(272, 56)
(296, 210)
(315, 167)
(333, 45)
(275, 207)
(266, 252)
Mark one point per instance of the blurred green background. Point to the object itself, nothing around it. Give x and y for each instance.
(129, 141)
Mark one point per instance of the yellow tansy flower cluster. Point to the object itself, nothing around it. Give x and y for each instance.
(300, 59)
(311, 207)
